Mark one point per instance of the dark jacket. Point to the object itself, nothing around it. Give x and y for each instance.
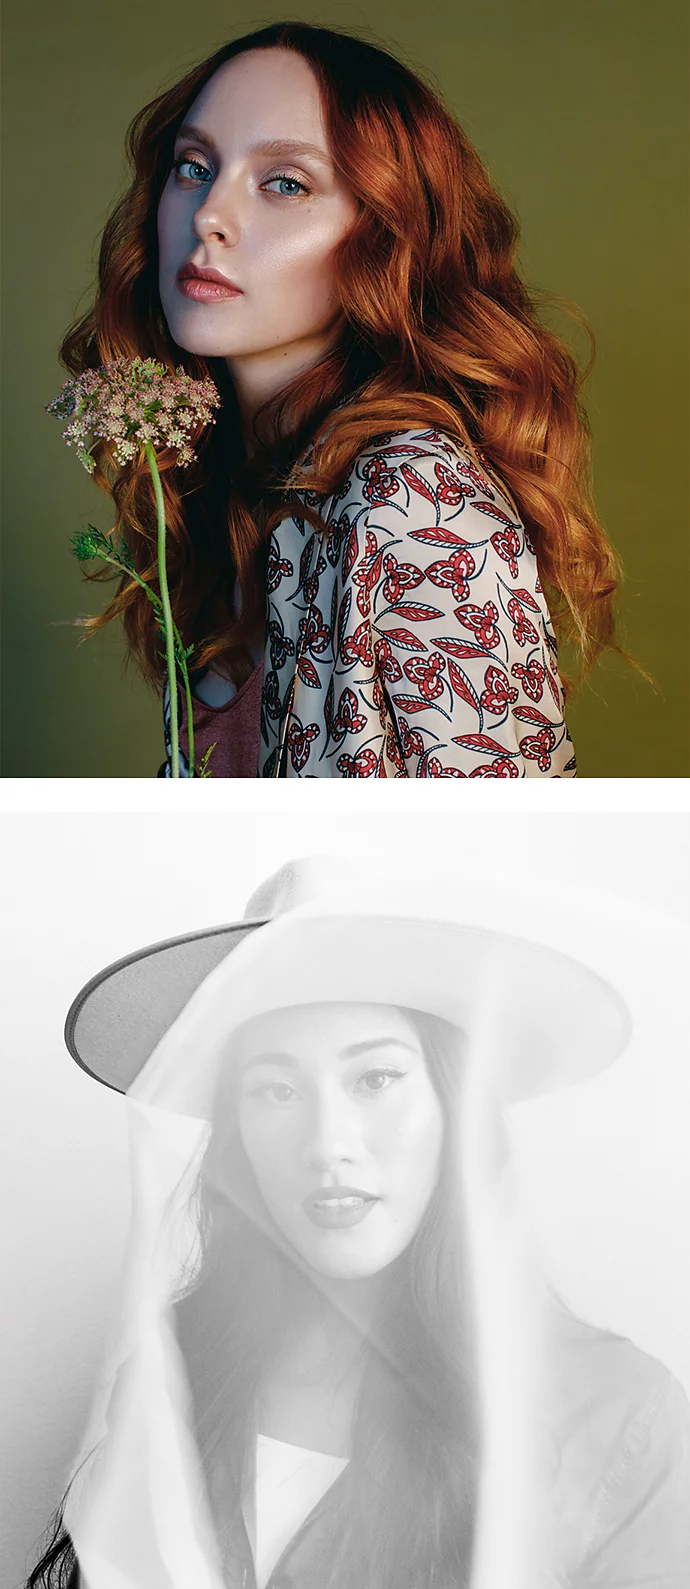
(616, 1511)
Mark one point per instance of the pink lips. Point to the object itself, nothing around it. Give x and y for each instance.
(337, 1207)
(197, 287)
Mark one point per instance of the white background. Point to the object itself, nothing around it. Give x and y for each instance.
(82, 890)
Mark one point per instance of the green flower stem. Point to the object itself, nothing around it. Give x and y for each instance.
(167, 611)
(190, 713)
(124, 568)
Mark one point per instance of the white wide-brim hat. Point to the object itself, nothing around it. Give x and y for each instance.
(457, 944)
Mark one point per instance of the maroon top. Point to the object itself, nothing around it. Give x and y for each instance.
(234, 727)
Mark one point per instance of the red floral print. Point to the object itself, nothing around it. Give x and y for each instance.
(277, 569)
(368, 573)
(507, 544)
(411, 741)
(502, 767)
(531, 677)
(425, 672)
(523, 630)
(387, 663)
(433, 768)
(539, 747)
(381, 483)
(362, 765)
(347, 720)
(482, 620)
(399, 577)
(394, 753)
(299, 740)
(400, 614)
(314, 634)
(450, 489)
(357, 647)
(497, 693)
(455, 573)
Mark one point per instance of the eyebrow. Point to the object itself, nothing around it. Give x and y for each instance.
(273, 146)
(353, 1051)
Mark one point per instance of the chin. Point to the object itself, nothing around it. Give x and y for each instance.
(341, 1271)
(340, 1265)
(194, 341)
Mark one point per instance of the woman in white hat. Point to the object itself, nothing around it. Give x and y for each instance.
(298, 1399)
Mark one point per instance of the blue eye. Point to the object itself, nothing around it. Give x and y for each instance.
(283, 178)
(184, 160)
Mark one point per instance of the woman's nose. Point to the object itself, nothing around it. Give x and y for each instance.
(333, 1134)
(217, 218)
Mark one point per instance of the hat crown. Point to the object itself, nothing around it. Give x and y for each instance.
(300, 881)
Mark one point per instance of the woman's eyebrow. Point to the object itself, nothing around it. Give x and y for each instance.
(273, 146)
(370, 1043)
(269, 1059)
(353, 1051)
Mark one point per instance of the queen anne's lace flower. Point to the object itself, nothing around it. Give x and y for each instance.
(132, 402)
(136, 404)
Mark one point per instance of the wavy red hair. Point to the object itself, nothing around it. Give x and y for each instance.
(438, 329)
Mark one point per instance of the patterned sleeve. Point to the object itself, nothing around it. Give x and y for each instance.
(464, 647)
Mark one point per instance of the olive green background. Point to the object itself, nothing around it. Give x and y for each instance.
(579, 110)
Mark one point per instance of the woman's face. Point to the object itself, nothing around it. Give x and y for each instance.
(268, 218)
(338, 1096)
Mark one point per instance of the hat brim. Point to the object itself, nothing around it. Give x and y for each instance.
(120, 1014)
(559, 1021)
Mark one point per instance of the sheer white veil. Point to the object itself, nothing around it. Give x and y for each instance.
(484, 959)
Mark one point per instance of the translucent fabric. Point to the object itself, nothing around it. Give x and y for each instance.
(149, 1505)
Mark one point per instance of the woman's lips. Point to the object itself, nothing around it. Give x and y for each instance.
(335, 1207)
(196, 287)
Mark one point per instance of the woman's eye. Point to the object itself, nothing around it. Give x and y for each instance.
(275, 1091)
(184, 160)
(380, 1080)
(292, 182)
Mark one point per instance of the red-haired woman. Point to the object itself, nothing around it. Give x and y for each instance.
(391, 514)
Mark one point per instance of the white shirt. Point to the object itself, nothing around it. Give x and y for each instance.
(290, 1480)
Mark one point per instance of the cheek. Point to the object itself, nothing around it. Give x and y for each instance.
(165, 227)
(269, 1147)
(174, 220)
(301, 261)
(414, 1152)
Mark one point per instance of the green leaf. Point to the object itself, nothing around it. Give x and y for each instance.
(203, 769)
(126, 556)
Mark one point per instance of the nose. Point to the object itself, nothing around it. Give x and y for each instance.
(333, 1133)
(217, 217)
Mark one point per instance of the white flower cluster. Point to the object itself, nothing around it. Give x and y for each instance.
(131, 403)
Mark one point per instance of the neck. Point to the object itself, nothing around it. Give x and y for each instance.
(331, 1320)
(258, 377)
(352, 1303)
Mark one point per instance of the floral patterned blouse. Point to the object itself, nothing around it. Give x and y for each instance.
(415, 634)
(413, 640)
